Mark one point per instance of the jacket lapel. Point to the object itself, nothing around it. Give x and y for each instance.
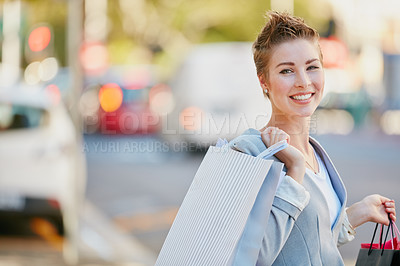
(337, 182)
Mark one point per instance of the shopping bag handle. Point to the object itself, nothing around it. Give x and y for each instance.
(382, 246)
(395, 233)
(396, 229)
(277, 147)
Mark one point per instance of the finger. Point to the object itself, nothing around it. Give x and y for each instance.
(389, 204)
(273, 135)
(384, 199)
(269, 129)
(276, 135)
(283, 135)
(268, 136)
(390, 207)
(391, 210)
(265, 137)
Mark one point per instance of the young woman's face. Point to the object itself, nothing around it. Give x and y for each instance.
(296, 78)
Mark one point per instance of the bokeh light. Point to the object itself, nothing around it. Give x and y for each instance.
(332, 121)
(161, 99)
(334, 51)
(191, 118)
(390, 122)
(54, 93)
(6, 115)
(48, 68)
(31, 73)
(110, 97)
(89, 105)
(94, 58)
(89, 102)
(37, 71)
(39, 38)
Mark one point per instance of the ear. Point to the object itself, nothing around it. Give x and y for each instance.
(263, 84)
(261, 79)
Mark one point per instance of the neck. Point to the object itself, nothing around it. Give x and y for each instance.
(296, 127)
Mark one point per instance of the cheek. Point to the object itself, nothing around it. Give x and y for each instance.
(281, 85)
(319, 81)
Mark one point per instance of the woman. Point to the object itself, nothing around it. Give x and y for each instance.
(308, 218)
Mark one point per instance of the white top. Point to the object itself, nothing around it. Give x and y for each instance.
(324, 183)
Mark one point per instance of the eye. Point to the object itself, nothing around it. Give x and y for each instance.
(286, 71)
(312, 67)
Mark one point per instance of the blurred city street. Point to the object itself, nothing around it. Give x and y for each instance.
(107, 109)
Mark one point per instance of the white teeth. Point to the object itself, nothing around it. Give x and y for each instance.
(302, 97)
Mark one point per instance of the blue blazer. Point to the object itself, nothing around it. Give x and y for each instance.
(298, 231)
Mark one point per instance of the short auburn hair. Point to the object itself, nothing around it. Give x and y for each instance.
(280, 28)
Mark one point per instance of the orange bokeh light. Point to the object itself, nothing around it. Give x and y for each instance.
(39, 38)
(110, 97)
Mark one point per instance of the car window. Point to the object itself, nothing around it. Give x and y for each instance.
(20, 116)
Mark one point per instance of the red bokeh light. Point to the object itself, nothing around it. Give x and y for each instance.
(39, 38)
(334, 51)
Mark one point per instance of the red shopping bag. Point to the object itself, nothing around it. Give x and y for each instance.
(393, 243)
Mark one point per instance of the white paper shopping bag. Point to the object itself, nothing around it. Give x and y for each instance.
(209, 227)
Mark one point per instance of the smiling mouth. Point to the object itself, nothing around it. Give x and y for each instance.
(302, 97)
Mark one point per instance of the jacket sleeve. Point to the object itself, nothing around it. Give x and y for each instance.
(290, 200)
(346, 233)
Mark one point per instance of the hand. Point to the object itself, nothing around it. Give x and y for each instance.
(290, 156)
(378, 209)
(373, 208)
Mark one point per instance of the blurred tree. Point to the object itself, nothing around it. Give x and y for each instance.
(158, 23)
(165, 28)
(171, 26)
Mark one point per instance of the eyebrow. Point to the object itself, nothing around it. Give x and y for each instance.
(292, 64)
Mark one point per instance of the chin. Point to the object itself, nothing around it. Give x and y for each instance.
(306, 113)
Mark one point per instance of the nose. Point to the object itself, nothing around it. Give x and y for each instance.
(302, 79)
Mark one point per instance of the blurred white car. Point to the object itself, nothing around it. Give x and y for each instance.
(217, 94)
(42, 167)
